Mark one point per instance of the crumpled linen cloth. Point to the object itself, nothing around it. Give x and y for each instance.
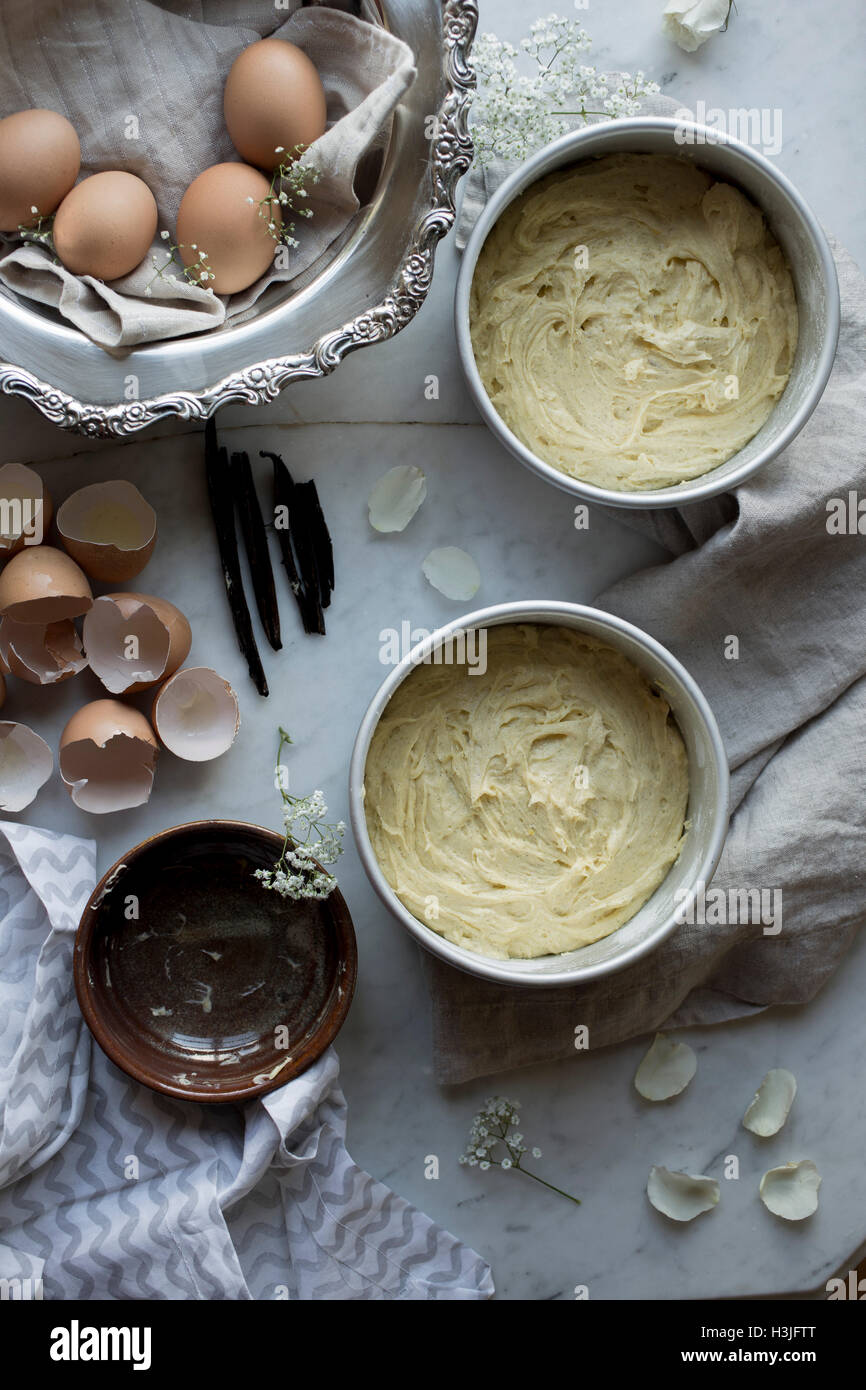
(759, 564)
(111, 1191)
(165, 67)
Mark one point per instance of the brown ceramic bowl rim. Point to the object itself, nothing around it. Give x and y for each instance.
(134, 1064)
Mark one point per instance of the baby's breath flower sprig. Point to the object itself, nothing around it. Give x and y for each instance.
(490, 1145)
(197, 273)
(42, 230)
(513, 114)
(307, 838)
(289, 182)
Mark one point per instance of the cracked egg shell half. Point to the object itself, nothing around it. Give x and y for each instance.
(26, 763)
(25, 508)
(108, 753)
(109, 529)
(134, 641)
(43, 585)
(41, 655)
(196, 714)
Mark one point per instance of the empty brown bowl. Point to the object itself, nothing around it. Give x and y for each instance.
(198, 981)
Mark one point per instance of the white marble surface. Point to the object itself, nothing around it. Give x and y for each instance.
(598, 1138)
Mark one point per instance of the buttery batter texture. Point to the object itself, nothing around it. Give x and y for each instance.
(633, 321)
(532, 809)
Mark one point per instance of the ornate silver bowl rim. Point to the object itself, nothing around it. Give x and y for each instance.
(386, 263)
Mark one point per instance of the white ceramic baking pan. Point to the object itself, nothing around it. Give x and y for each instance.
(795, 228)
(707, 810)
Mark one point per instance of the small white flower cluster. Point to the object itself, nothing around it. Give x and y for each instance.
(489, 1128)
(289, 182)
(42, 231)
(197, 274)
(309, 842)
(513, 114)
(495, 1124)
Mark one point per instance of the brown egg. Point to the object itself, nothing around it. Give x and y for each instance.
(39, 162)
(25, 508)
(43, 585)
(134, 641)
(41, 655)
(108, 753)
(109, 529)
(273, 99)
(220, 216)
(106, 225)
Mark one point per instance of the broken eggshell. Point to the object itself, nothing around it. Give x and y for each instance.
(772, 1102)
(453, 572)
(25, 508)
(666, 1069)
(109, 529)
(26, 763)
(681, 1196)
(396, 497)
(791, 1191)
(43, 585)
(134, 641)
(108, 752)
(195, 714)
(41, 655)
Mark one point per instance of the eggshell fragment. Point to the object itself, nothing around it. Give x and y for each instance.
(26, 763)
(108, 753)
(41, 655)
(273, 103)
(681, 1196)
(666, 1070)
(396, 498)
(43, 585)
(40, 157)
(772, 1103)
(25, 508)
(792, 1190)
(109, 529)
(196, 714)
(134, 641)
(106, 225)
(453, 572)
(221, 216)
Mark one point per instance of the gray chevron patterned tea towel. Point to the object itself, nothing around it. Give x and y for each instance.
(110, 1191)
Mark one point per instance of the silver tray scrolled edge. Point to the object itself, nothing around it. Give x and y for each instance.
(368, 292)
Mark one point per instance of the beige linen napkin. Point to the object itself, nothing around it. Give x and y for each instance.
(763, 565)
(142, 83)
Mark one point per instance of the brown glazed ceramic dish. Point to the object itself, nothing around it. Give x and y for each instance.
(199, 982)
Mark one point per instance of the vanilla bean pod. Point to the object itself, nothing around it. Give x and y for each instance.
(304, 541)
(222, 510)
(256, 546)
(300, 541)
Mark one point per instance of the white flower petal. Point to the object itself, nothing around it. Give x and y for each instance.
(666, 1070)
(792, 1190)
(681, 1196)
(772, 1102)
(396, 497)
(453, 572)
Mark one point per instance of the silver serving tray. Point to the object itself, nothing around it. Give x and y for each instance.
(370, 289)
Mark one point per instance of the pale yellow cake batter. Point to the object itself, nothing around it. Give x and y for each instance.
(634, 322)
(531, 809)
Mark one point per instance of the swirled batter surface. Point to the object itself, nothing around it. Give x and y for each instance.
(634, 322)
(531, 809)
